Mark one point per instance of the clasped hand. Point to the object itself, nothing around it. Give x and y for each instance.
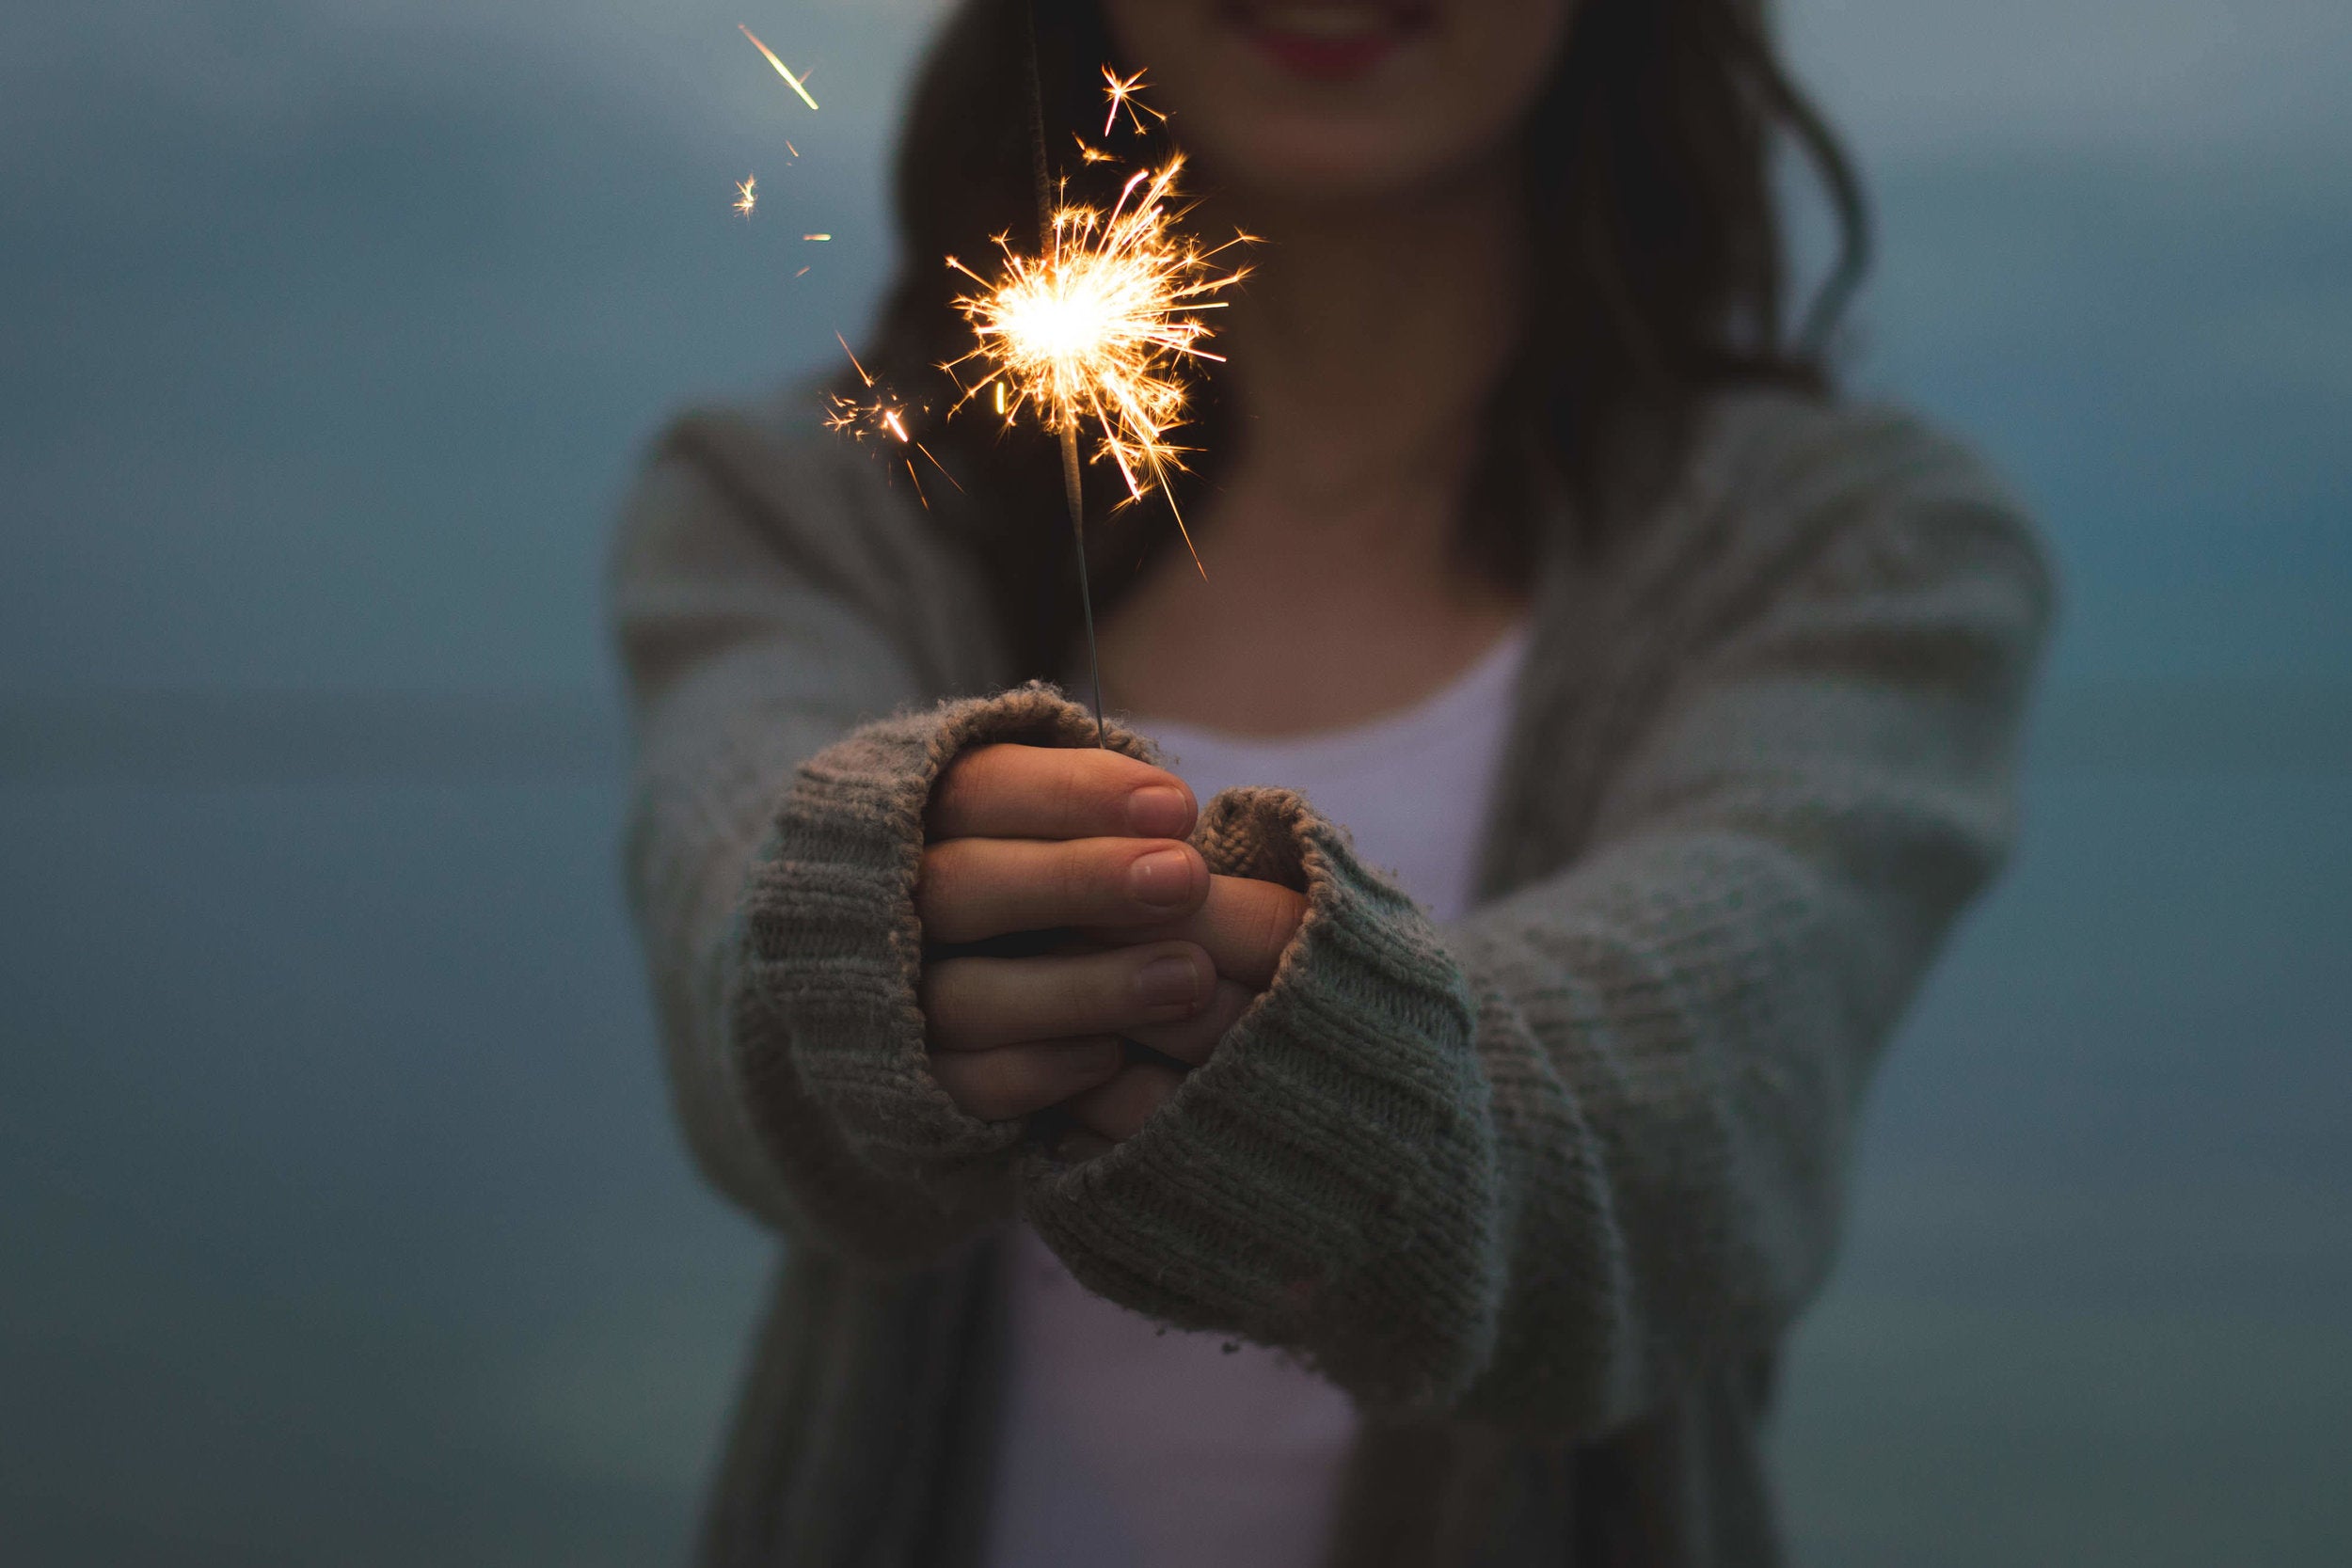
(1158, 951)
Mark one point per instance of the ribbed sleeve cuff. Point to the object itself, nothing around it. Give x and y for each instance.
(1327, 1183)
(831, 952)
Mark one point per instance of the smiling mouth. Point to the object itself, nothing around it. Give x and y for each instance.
(1329, 40)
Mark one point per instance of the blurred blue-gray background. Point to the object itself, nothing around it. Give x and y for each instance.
(340, 1216)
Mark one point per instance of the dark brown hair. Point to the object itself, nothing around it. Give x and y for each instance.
(1657, 233)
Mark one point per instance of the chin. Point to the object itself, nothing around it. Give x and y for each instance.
(1339, 99)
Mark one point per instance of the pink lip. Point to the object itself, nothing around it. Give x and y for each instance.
(1318, 59)
(1322, 60)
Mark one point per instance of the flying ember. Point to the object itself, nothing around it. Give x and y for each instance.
(1121, 92)
(881, 413)
(798, 84)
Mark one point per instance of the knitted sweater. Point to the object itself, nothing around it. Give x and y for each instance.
(1542, 1189)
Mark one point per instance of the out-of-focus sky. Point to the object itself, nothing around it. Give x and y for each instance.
(341, 1220)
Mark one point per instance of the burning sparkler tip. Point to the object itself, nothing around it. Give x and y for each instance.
(1092, 333)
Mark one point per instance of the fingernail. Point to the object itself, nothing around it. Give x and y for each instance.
(1164, 982)
(1161, 878)
(1159, 811)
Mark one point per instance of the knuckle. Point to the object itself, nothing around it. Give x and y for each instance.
(940, 994)
(1080, 876)
(956, 1079)
(992, 1092)
(952, 796)
(928, 869)
(938, 876)
(993, 1084)
(1276, 917)
(1094, 1061)
(1070, 788)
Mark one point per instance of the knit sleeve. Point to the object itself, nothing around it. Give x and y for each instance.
(824, 966)
(1549, 1164)
(774, 603)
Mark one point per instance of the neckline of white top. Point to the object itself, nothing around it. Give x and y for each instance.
(1466, 699)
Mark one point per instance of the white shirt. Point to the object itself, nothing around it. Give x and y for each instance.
(1129, 1446)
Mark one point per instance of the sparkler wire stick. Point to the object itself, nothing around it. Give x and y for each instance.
(1074, 491)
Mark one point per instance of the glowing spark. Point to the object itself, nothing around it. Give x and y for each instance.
(795, 82)
(816, 236)
(1121, 93)
(1094, 334)
(937, 463)
(789, 148)
(747, 193)
(802, 273)
(885, 413)
(853, 354)
(1090, 154)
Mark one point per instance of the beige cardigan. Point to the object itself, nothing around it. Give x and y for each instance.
(1542, 1189)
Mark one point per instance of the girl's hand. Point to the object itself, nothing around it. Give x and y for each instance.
(1027, 838)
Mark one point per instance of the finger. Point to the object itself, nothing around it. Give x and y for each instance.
(1015, 1080)
(1079, 1145)
(1193, 1039)
(1244, 924)
(1007, 791)
(968, 889)
(1117, 1109)
(979, 1004)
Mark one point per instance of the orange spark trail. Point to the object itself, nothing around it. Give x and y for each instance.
(937, 463)
(791, 81)
(882, 413)
(853, 354)
(1121, 93)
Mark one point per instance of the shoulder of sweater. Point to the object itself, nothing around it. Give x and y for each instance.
(1769, 445)
(756, 500)
(1774, 476)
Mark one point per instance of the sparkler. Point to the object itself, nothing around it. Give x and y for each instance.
(1094, 332)
(1092, 335)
